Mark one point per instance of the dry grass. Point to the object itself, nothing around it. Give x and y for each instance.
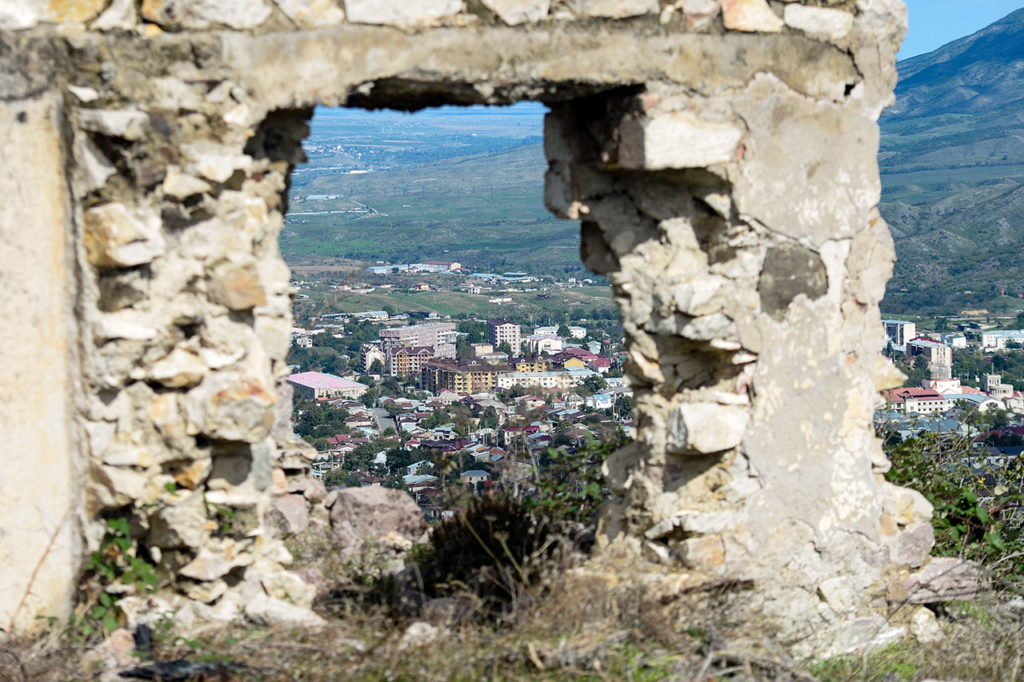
(573, 633)
(572, 626)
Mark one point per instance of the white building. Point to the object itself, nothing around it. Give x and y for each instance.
(997, 340)
(899, 332)
(504, 331)
(543, 343)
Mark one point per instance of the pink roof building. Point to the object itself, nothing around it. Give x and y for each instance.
(317, 385)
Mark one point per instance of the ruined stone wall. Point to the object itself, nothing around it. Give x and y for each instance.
(720, 155)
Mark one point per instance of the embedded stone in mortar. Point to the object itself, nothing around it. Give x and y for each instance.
(706, 428)
(789, 271)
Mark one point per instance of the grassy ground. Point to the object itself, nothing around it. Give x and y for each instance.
(573, 631)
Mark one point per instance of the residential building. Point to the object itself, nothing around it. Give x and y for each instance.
(408, 361)
(546, 380)
(998, 340)
(937, 353)
(440, 336)
(317, 385)
(918, 400)
(537, 344)
(369, 354)
(461, 377)
(899, 332)
(501, 331)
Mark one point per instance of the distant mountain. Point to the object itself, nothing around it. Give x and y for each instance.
(952, 162)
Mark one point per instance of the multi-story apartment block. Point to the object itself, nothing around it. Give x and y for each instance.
(370, 353)
(461, 377)
(406, 361)
(440, 336)
(937, 353)
(899, 332)
(504, 331)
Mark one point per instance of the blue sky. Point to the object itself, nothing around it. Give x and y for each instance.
(933, 23)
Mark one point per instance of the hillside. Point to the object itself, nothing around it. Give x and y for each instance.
(952, 162)
(463, 185)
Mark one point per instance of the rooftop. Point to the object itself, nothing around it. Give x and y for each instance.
(321, 380)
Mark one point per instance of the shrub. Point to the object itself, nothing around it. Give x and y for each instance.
(978, 510)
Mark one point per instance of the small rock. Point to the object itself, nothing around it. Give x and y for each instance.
(820, 23)
(312, 13)
(121, 14)
(181, 185)
(179, 369)
(237, 287)
(84, 93)
(179, 525)
(201, 14)
(116, 237)
(113, 653)
(400, 12)
(913, 545)
(944, 579)
(515, 12)
(216, 560)
(128, 124)
(19, 15)
(293, 511)
(676, 140)
(700, 13)
(93, 168)
(263, 610)
(616, 9)
(924, 626)
(419, 634)
(750, 16)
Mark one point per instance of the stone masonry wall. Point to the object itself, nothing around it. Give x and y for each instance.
(720, 155)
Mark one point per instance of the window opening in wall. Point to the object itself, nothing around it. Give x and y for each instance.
(447, 336)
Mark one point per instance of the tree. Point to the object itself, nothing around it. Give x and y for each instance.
(376, 367)
(399, 458)
(563, 331)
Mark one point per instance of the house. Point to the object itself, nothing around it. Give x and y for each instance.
(474, 476)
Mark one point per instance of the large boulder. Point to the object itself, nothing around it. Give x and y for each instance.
(374, 514)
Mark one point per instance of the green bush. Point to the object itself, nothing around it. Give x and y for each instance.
(977, 512)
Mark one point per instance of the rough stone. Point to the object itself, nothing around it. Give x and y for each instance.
(616, 9)
(820, 23)
(925, 627)
(294, 511)
(400, 12)
(237, 287)
(676, 140)
(126, 124)
(706, 428)
(788, 272)
(263, 609)
(114, 237)
(181, 185)
(751, 16)
(202, 14)
(700, 14)
(312, 13)
(180, 524)
(361, 515)
(913, 545)
(514, 12)
(121, 14)
(944, 579)
(216, 559)
(181, 368)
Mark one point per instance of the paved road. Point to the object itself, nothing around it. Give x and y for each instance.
(384, 420)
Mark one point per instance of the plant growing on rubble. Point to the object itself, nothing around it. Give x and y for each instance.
(978, 510)
(115, 563)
